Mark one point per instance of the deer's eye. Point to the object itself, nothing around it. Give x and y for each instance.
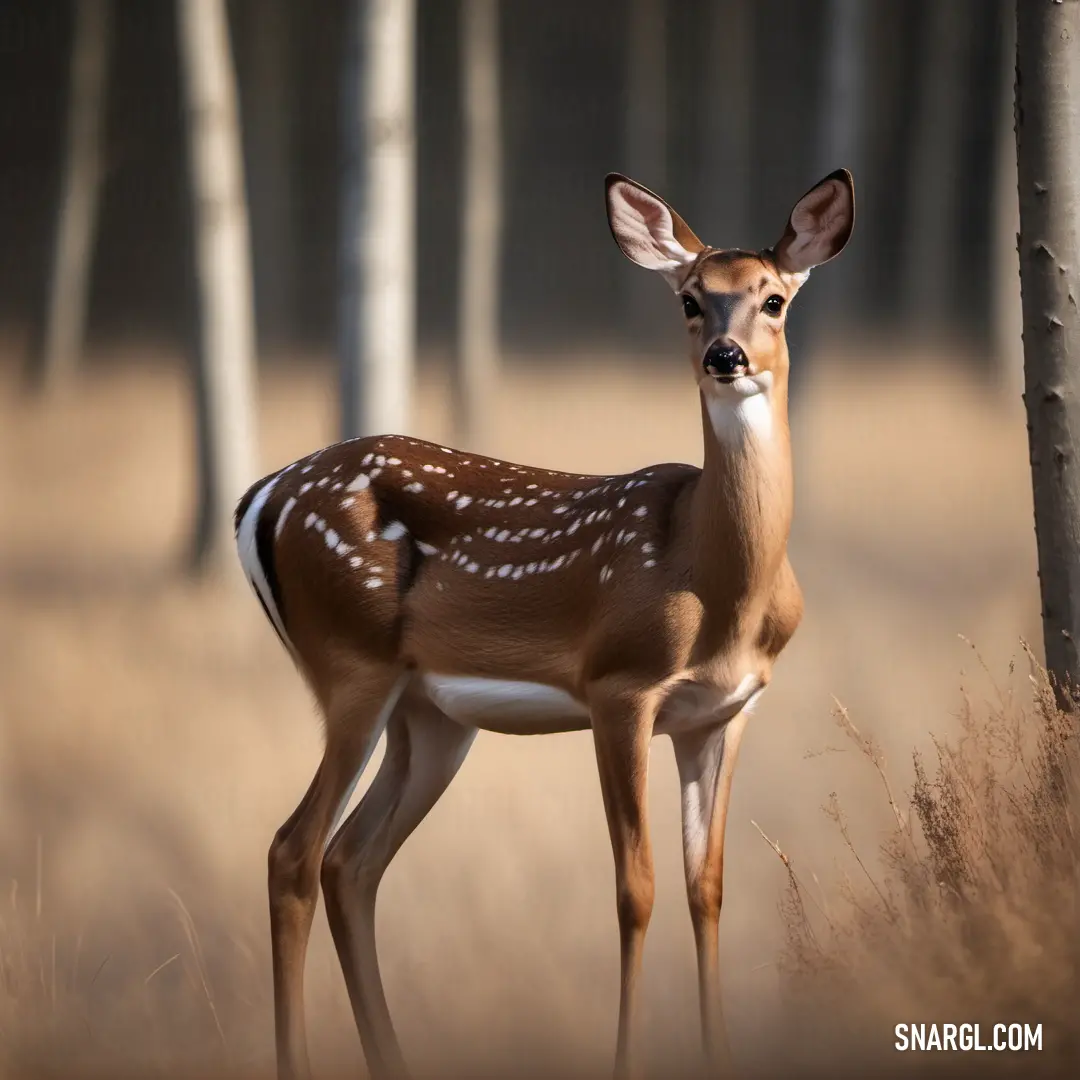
(690, 306)
(774, 305)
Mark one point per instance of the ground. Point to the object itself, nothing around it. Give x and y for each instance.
(153, 734)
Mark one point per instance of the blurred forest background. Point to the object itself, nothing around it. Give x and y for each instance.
(727, 107)
(432, 176)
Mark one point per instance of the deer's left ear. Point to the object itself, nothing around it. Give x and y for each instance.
(648, 231)
(820, 225)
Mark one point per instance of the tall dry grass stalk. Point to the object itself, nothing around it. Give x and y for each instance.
(971, 912)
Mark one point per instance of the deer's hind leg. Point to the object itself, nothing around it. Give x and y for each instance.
(424, 750)
(297, 851)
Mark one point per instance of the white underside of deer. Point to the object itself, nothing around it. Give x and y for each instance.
(429, 593)
(527, 708)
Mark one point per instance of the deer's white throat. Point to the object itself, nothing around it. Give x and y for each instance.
(740, 408)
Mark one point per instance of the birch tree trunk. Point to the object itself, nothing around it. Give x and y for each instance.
(73, 252)
(477, 368)
(225, 375)
(377, 299)
(1048, 166)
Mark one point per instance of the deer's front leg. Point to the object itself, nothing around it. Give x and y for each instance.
(706, 762)
(622, 732)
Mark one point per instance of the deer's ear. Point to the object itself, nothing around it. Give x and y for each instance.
(648, 231)
(819, 226)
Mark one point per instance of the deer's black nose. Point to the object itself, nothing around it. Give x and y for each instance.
(724, 359)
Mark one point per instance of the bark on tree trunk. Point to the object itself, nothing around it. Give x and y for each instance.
(1048, 167)
(225, 375)
(377, 299)
(476, 371)
(69, 281)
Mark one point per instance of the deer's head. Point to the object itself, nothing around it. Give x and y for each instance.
(734, 302)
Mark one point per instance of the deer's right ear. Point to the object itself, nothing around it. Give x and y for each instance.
(819, 226)
(648, 231)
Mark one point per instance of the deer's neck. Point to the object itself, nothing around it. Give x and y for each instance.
(741, 506)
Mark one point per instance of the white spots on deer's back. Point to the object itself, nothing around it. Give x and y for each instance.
(509, 513)
(286, 509)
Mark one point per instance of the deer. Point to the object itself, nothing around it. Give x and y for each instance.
(429, 593)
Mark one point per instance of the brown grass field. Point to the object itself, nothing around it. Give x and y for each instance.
(153, 735)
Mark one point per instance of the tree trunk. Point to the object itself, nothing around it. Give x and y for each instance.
(931, 244)
(477, 365)
(1006, 316)
(1048, 166)
(839, 141)
(841, 133)
(646, 93)
(269, 130)
(645, 142)
(69, 281)
(377, 300)
(725, 163)
(225, 376)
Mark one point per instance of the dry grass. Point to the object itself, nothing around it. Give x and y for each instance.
(971, 911)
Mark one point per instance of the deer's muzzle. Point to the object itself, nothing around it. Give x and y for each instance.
(725, 360)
